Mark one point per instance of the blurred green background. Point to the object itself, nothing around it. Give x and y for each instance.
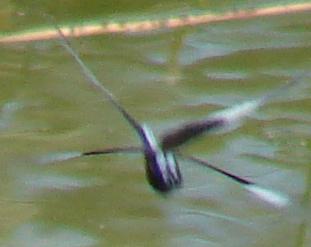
(163, 78)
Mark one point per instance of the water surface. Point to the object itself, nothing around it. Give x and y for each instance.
(162, 78)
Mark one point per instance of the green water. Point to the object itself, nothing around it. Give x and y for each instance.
(162, 78)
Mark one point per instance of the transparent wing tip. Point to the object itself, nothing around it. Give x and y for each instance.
(274, 198)
(237, 112)
(58, 157)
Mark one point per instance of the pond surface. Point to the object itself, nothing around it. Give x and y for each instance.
(163, 78)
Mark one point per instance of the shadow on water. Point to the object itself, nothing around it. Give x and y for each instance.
(162, 78)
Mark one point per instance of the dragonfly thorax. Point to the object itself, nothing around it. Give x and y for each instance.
(162, 168)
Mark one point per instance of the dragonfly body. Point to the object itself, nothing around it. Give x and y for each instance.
(162, 167)
(161, 164)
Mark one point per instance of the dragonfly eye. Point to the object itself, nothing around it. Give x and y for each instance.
(163, 171)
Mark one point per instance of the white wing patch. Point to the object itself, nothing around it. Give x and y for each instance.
(57, 157)
(236, 113)
(171, 163)
(277, 199)
(150, 137)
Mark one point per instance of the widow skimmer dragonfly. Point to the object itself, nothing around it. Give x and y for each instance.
(162, 156)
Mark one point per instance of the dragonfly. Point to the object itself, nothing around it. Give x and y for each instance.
(162, 155)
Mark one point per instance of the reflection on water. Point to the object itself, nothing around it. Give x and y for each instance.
(29, 235)
(7, 114)
(97, 200)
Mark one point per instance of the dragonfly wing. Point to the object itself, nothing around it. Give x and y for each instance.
(176, 137)
(69, 155)
(274, 198)
(223, 119)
